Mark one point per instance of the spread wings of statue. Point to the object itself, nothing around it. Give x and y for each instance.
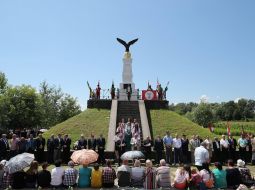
(127, 45)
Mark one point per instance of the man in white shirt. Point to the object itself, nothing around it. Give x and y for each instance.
(224, 145)
(135, 143)
(57, 174)
(201, 155)
(177, 144)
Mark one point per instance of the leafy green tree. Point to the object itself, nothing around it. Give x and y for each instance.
(203, 114)
(56, 106)
(50, 99)
(23, 111)
(68, 108)
(3, 82)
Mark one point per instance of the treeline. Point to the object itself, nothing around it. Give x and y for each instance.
(25, 107)
(205, 113)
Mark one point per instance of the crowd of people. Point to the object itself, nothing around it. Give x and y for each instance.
(180, 149)
(58, 147)
(177, 150)
(147, 177)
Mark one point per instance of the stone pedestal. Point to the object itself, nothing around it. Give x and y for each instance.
(127, 79)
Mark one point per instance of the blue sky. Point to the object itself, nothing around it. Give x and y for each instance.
(201, 47)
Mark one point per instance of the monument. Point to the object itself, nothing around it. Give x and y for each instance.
(127, 89)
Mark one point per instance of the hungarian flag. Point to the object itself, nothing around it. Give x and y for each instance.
(210, 127)
(158, 84)
(228, 128)
(242, 132)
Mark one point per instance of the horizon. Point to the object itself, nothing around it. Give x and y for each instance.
(205, 49)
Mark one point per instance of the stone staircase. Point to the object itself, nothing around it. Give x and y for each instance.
(129, 109)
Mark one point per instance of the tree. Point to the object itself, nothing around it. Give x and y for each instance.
(203, 115)
(68, 108)
(56, 106)
(3, 82)
(23, 111)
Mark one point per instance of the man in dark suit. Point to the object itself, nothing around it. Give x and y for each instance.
(147, 144)
(4, 147)
(159, 148)
(92, 143)
(58, 144)
(82, 143)
(40, 144)
(232, 147)
(100, 148)
(216, 150)
(121, 146)
(50, 149)
(66, 148)
(30, 144)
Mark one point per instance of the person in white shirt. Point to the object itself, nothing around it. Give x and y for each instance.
(201, 155)
(224, 145)
(177, 144)
(57, 174)
(135, 143)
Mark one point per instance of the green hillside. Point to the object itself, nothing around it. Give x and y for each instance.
(97, 122)
(89, 121)
(163, 120)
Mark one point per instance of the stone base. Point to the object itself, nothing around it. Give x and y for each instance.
(100, 104)
(156, 104)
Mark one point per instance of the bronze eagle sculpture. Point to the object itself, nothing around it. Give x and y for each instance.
(127, 45)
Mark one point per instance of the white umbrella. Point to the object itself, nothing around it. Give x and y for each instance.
(43, 130)
(130, 155)
(19, 162)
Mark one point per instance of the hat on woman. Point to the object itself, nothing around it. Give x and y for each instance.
(240, 163)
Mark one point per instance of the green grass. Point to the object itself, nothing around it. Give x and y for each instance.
(163, 120)
(94, 121)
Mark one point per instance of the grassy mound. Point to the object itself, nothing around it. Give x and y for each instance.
(163, 120)
(97, 122)
(90, 121)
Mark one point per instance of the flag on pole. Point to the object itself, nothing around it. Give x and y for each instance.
(243, 133)
(210, 127)
(228, 128)
(90, 90)
(157, 83)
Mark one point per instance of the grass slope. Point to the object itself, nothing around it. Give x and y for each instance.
(165, 120)
(90, 121)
